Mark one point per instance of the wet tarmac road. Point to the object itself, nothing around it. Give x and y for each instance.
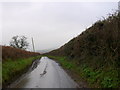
(48, 74)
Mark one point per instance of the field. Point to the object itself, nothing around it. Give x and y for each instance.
(14, 53)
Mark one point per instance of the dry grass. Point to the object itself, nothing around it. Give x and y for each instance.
(14, 53)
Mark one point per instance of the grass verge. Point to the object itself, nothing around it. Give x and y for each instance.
(12, 69)
(96, 78)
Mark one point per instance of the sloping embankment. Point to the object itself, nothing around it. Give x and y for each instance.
(95, 52)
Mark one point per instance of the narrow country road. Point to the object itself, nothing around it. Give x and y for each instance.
(48, 74)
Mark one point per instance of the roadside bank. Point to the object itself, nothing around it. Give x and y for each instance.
(12, 70)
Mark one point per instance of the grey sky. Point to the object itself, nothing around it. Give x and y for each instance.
(50, 24)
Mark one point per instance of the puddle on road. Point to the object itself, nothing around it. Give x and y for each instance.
(48, 74)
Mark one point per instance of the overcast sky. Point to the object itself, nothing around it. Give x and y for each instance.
(50, 24)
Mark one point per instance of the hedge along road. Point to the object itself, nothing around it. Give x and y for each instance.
(48, 74)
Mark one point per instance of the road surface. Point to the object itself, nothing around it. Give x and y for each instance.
(48, 74)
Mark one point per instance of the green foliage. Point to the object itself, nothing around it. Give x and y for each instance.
(96, 78)
(110, 79)
(63, 61)
(11, 68)
(107, 79)
(0, 74)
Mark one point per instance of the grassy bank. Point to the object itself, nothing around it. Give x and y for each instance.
(12, 69)
(15, 62)
(97, 78)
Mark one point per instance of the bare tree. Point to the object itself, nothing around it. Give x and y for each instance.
(19, 42)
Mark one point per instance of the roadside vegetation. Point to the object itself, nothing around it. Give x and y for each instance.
(94, 54)
(15, 62)
(96, 78)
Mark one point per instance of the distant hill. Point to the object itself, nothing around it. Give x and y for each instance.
(45, 50)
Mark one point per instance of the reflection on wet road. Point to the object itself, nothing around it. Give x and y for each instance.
(48, 74)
